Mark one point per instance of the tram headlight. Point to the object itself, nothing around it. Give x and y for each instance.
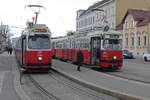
(39, 58)
(114, 57)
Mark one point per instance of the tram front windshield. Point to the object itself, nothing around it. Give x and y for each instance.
(39, 42)
(112, 44)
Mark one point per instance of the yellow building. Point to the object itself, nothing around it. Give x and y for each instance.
(118, 8)
(135, 27)
(114, 10)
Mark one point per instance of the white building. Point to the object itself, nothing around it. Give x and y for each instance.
(114, 10)
(88, 20)
(14, 40)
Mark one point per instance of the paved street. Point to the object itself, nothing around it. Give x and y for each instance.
(137, 60)
(7, 91)
(136, 69)
(133, 68)
(10, 88)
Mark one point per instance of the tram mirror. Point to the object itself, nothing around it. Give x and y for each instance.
(33, 38)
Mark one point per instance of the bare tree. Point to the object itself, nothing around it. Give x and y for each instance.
(70, 32)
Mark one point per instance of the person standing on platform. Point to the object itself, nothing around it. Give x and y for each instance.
(10, 50)
(80, 59)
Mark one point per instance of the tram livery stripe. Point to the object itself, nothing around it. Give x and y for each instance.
(38, 64)
(111, 61)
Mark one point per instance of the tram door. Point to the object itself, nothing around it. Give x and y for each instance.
(95, 50)
(23, 49)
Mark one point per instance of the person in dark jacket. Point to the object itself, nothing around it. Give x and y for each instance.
(80, 59)
(10, 50)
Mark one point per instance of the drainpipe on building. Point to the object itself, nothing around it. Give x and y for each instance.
(1, 38)
(148, 39)
(123, 39)
(135, 40)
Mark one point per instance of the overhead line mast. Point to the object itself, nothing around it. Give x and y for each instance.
(36, 12)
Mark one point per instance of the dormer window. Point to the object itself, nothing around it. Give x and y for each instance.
(132, 23)
(126, 24)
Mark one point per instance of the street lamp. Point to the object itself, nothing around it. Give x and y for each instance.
(36, 10)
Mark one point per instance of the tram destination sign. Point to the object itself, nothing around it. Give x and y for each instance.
(40, 30)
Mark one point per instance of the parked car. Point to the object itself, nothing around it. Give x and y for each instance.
(127, 54)
(146, 57)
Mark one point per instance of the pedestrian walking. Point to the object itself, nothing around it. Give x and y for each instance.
(10, 50)
(80, 59)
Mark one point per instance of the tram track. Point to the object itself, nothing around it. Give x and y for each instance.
(73, 86)
(49, 95)
(76, 88)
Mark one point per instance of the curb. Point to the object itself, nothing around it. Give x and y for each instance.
(21, 93)
(18, 88)
(98, 88)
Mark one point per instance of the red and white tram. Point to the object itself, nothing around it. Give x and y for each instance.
(103, 48)
(33, 49)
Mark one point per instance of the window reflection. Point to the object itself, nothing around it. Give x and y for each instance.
(112, 44)
(39, 42)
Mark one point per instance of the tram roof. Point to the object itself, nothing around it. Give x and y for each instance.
(30, 29)
(100, 33)
(59, 39)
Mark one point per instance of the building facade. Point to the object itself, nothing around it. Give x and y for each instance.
(135, 27)
(14, 40)
(4, 29)
(113, 11)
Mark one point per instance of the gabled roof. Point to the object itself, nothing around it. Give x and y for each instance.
(93, 6)
(141, 16)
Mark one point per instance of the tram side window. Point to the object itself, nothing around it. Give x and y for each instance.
(81, 43)
(70, 44)
(54, 45)
(57, 45)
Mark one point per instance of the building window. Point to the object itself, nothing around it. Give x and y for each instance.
(126, 25)
(113, 25)
(109, 13)
(132, 41)
(113, 11)
(90, 20)
(144, 40)
(106, 14)
(93, 20)
(79, 24)
(132, 23)
(126, 40)
(138, 40)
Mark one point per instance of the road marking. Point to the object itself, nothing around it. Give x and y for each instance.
(2, 74)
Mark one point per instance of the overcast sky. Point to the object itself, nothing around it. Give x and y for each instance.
(59, 15)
